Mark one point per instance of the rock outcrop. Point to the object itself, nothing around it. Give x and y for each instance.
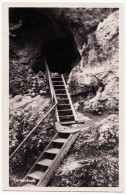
(24, 113)
(99, 68)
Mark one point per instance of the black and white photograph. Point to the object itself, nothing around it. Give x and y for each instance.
(64, 82)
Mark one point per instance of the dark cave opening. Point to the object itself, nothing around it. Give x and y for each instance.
(62, 54)
(55, 39)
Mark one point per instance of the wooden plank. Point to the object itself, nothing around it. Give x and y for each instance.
(60, 140)
(67, 116)
(36, 175)
(53, 151)
(45, 162)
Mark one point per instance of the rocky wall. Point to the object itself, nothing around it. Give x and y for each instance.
(99, 68)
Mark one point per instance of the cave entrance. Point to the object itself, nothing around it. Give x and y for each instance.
(50, 36)
(62, 54)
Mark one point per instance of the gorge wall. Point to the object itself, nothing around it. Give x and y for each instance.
(93, 82)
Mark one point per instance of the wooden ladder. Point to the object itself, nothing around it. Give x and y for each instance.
(66, 112)
(42, 170)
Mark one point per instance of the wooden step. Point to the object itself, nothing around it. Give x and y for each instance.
(66, 119)
(36, 175)
(65, 116)
(58, 82)
(68, 123)
(65, 112)
(53, 151)
(59, 87)
(45, 162)
(61, 95)
(63, 104)
(63, 101)
(56, 78)
(60, 140)
(66, 139)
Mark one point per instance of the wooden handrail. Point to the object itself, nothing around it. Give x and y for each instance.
(53, 94)
(53, 107)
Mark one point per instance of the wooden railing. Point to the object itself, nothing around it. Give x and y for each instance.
(53, 94)
(54, 107)
(26, 138)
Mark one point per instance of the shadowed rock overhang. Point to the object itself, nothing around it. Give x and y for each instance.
(55, 40)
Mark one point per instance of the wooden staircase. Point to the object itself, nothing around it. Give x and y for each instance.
(66, 112)
(42, 170)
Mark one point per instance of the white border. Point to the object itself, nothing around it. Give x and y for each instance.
(58, 3)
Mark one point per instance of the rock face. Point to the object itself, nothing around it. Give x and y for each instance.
(23, 80)
(81, 21)
(99, 68)
(25, 112)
